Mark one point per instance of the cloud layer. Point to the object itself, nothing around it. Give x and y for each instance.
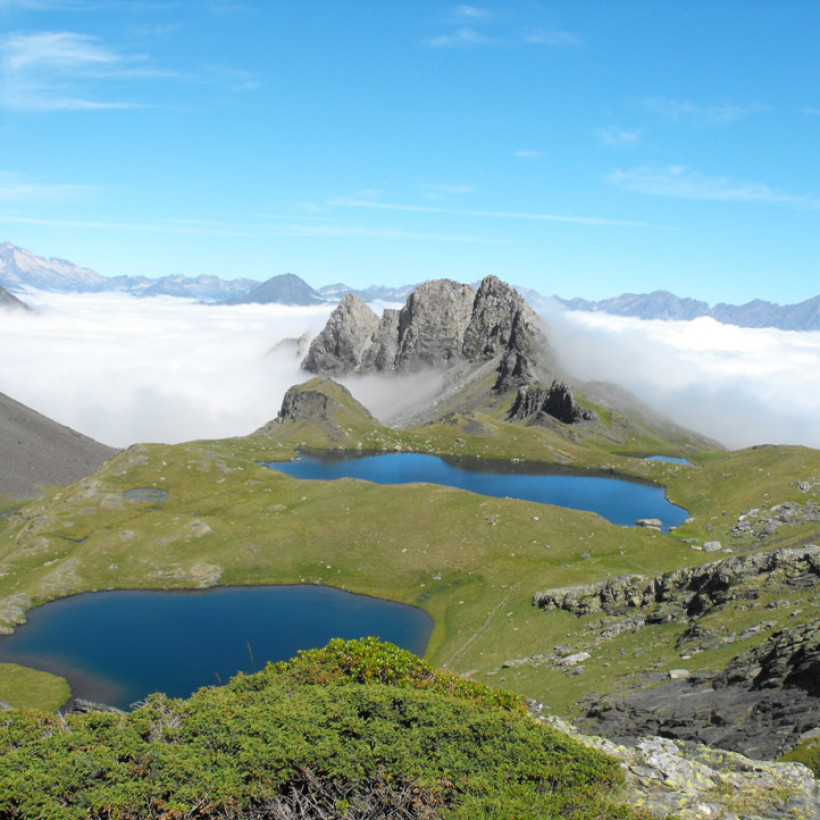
(124, 370)
(740, 386)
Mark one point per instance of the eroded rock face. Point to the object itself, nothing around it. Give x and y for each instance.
(432, 325)
(558, 401)
(689, 591)
(339, 347)
(441, 324)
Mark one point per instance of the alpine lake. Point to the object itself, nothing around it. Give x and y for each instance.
(117, 647)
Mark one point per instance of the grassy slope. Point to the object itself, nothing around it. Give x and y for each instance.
(230, 521)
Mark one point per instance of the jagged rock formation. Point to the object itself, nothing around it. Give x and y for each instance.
(671, 778)
(761, 702)
(340, 347)
(35, 451)
(443, 323)
(689, 591)
(558, 402)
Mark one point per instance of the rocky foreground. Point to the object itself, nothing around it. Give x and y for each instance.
(763, 701)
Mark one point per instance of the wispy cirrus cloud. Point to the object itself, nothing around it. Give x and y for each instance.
(60, 70)
(283, 226)
(680, 182)
(699, 114)
(472, 27)
(67, 71)
(614, 137)
(529, 153)
(431, 190)
(342, 202)
(17, 188)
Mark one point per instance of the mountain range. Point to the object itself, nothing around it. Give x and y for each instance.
(20, 269)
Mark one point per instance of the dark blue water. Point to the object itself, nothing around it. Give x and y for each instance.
(618, 500)
(118, 647)
(670, 459)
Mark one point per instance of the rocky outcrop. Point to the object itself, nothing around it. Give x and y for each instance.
(339, 348)
(689, 591)
(558, 402)
(760, 703)
(688, 781)
(443, 323)
(314, 401)
(764, 523)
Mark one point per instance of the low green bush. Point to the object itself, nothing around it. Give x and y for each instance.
(358, 723)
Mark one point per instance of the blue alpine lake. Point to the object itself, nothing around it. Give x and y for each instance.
(618, 500)
(118, 647)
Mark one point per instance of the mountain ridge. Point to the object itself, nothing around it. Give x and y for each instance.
(20, 269)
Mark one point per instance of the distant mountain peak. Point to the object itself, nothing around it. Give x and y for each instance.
(284, 289)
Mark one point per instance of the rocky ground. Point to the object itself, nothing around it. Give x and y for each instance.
(688, 781)
(35, 451)
(761, 703)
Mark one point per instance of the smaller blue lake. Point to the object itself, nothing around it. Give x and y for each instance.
(618, 500)
(670, 459)
(118, 647)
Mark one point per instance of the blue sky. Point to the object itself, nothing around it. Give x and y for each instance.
(579, 148)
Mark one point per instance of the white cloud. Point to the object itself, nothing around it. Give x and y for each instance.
(680, 182)
(461, 37)
(740, 386)
(16, 188)
(342, 202)
(702, 115)
(51, 70)
(614, 137)
(550, 37)
(529, 153)
(443, 190)
(124, 370)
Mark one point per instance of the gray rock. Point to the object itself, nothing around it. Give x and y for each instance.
(671, 778)
(338, 349)
(558, 401)
(443, 323)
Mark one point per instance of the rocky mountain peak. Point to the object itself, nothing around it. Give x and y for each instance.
(339, 348)
(443, 323)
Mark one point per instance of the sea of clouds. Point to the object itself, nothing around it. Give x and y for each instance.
(125, 370)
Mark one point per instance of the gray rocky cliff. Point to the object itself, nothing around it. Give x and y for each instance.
(442, 324)
(432, 324)
(339, 348)
(557, 401)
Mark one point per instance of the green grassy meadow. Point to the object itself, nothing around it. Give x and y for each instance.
(472, 562)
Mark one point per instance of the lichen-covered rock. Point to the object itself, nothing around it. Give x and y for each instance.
(693, 782)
